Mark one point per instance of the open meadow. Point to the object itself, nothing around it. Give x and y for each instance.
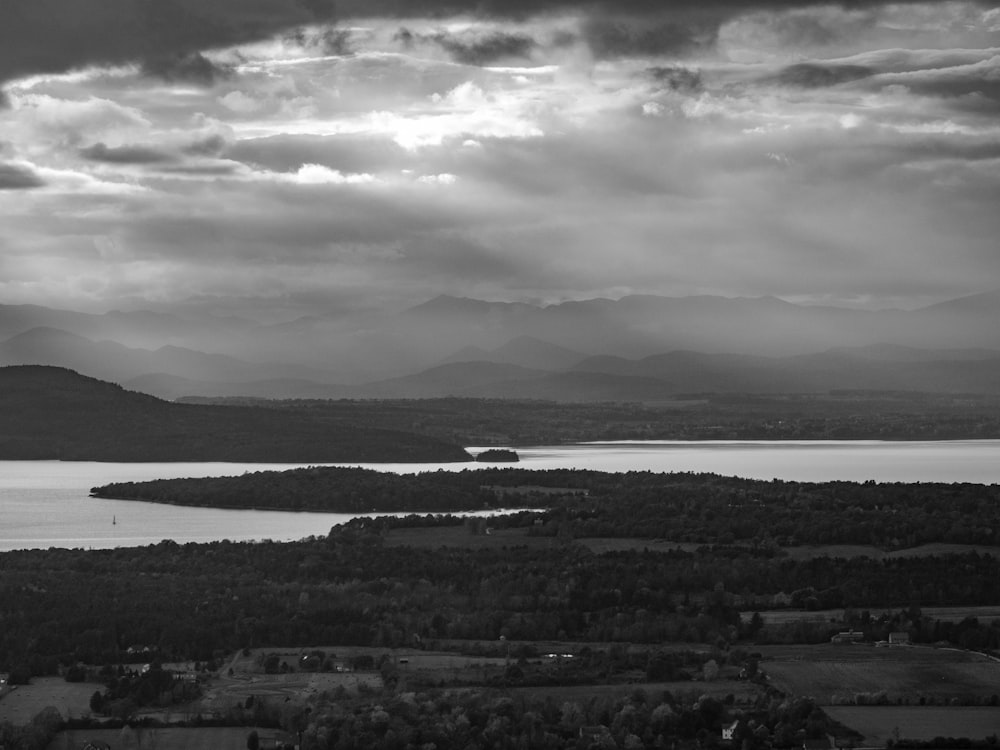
(22, 702)
(840, 674)
(878, 724)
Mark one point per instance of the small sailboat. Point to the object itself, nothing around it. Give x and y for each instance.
(114, 520)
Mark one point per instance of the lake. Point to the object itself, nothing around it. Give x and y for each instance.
(48, 504)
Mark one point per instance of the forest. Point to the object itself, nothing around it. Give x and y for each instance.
(680, 507)
(54, 413)
(197, 601)
(837, 415)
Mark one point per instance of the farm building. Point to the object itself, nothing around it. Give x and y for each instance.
(728, 731)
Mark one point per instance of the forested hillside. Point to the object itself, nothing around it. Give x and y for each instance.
(53, 413)
(699, 508)
(351, 588)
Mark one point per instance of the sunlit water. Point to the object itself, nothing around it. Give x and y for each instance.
(48, 504)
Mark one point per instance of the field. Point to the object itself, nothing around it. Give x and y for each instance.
(23, 702)
(203, 738)
(879, 723)
(835, 674)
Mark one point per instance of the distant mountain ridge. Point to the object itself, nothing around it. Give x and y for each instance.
(54, 413)
(650, 344)
(114, 361)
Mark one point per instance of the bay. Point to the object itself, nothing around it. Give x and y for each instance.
(47, 503)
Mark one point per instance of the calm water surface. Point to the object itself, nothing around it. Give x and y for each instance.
(47, 503)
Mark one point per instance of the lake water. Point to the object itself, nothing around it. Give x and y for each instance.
(48, 504)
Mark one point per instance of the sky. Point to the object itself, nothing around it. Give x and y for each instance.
(278, 158)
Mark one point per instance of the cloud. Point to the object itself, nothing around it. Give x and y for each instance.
(815, 75)
(486, 49)
(621, 37)
(210, 145)
(38, 36)
(192, 67)
(167, 37)
(676, 78)
(577, 154)
(44, 117)
(980, 79)
(18, 177)
(125, 154)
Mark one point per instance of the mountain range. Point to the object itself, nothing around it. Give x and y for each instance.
(638, 348)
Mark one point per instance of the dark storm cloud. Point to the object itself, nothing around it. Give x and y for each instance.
(14, 177)
(960, 85)
(331, 41)
(100, 152)
(618, 37)
(193, 67)
(39, 36)
(676, 78)
(487, 49)
(820, 75)
(526, 8)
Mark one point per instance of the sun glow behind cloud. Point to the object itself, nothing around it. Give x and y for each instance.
(815, 153)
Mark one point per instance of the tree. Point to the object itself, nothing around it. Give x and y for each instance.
(710, 670)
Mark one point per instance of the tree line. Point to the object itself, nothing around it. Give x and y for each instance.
(683, 507)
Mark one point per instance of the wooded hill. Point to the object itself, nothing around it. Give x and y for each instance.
(693, 508)
(54, 413)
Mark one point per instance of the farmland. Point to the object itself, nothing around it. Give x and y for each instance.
(879, 724)
(840, 674)
(25, 701)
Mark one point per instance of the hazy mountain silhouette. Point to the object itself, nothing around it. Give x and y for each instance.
(54, 413)
(525, 351)
(173, 387)
(665, 376)
(691, 343)
(113, 361)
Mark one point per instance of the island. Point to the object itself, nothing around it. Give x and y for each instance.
(498, 455)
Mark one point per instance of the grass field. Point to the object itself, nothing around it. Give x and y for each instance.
(203, 738)
(834, 674)
(877, 723)
(71, 699)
